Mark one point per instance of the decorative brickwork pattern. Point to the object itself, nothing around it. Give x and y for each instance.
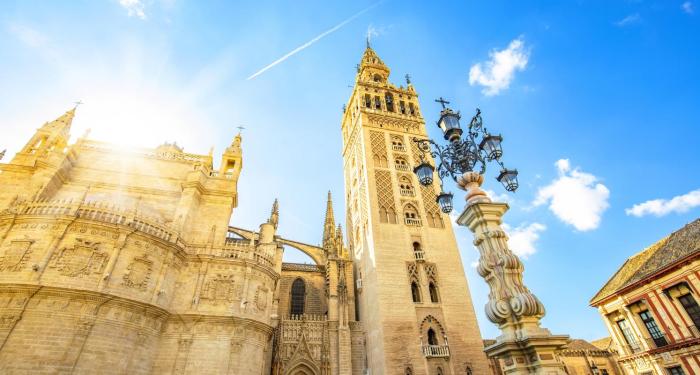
(385, 195)
(432, 211)
(379, 154)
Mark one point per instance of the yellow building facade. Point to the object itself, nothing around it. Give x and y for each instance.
(650, 306)
(122, 261)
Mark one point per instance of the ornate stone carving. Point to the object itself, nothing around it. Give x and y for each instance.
(84, 259)
(138, 273)
(260, 298)
(16, 255)
(220, 289)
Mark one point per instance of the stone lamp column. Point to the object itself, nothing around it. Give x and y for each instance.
(523, 346)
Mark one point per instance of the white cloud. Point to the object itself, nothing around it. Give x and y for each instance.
(521, 239)
(496, 74)
(135, 8)
(629, 20)
(575, 197)
(496, 197)
(27, 35)
(662, 207)
(688, 7)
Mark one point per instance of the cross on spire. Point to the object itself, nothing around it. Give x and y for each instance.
(240, 128)
(442, 101)
(79, 102)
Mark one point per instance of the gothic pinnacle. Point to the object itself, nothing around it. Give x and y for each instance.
(274, 214)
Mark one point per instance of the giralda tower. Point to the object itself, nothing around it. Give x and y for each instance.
(413, 297)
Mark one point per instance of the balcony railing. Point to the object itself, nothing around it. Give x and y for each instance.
(436, 351)
(657, 342)
(398, 148)
(412, 222)
(407, 192)
(402, 167)
(420, 255)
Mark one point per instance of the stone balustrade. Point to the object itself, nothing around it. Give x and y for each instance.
(98, 211)
(436, 351)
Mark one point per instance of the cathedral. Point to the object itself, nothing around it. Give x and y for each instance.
(122, 260)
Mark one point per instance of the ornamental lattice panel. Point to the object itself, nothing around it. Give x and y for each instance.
(432, 211)
(385, 196)
(379, 154)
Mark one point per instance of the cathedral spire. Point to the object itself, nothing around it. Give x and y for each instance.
(329, 225)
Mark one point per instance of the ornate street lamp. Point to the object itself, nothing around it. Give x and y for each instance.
(528, 347)
(462, 155)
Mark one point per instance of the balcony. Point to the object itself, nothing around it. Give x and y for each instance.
(412, 222)
(419, 255)
(401, 167)
(657, 342)
(407, 192)
(436, 351)
(398, 148)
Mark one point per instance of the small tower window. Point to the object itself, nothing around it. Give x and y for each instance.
(298, 296)
(432, 337)
(402, 107)
(368, 101)
(433, 293)
(418, 251)
(397, 144)
(377, 103)
(377, 78)
(411, 109)
(415, 292)
(389, 102)
(401, 164)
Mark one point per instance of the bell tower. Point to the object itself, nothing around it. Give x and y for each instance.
(412, 292)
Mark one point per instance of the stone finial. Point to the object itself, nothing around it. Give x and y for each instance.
(471, 182)
(274, 214)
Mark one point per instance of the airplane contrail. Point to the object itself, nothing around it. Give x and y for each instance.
(312, 41)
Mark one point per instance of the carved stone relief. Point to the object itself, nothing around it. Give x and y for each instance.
(84, 259)
(16, 255)
(138, 273)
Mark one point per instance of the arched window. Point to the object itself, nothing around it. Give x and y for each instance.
(411, 109)
(298, 296)
(415, 292)
(377, 78)
(410, 215)
(391, 213)
(469, 370)
(401, 164)
(439, 371)
(389, 102)
(406, 186)
(432, 337)
(418, 251)
(408, 371)
(402, 107)
(433, 293)
(368, 101)
(397, 144)
(377, 103)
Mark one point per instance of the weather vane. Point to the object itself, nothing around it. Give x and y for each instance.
(79, 102)
(408, 79)
(240, 129)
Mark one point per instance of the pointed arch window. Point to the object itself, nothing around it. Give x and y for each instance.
(415, 292)
(418, 251)
(368, 101)
(389, 102)
(410, 215)
(432, 337)
(401, 164)
(298, 297)
(406, 187)
(433, 293)
(411, 109)
(377, 103)
(402, 107)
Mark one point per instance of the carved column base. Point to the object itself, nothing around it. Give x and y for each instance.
(532, 355)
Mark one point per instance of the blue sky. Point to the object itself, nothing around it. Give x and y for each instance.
(597, 102)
